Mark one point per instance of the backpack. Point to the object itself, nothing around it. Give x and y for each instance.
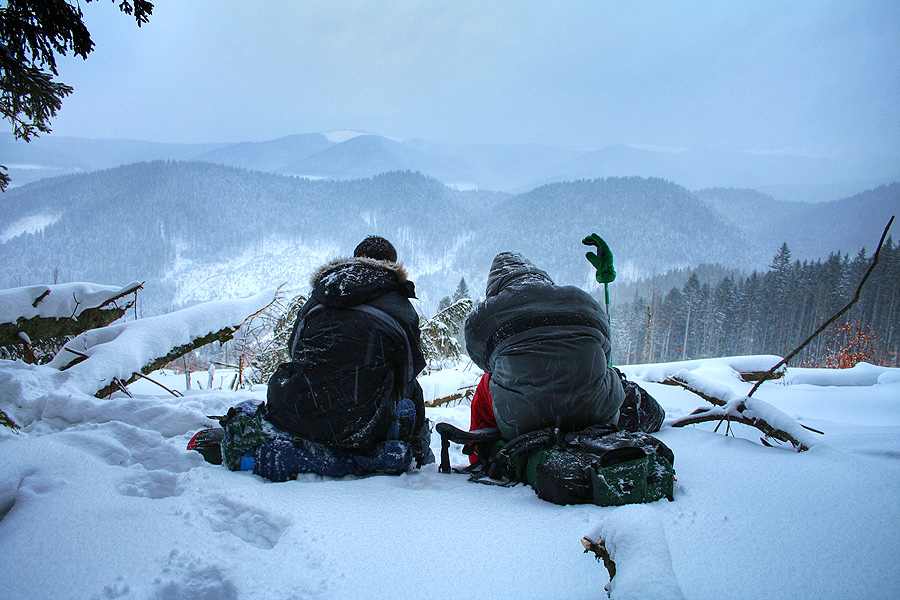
(639, 411)
(241, 431)
(245, 430)
(597, 465)
(247, 441)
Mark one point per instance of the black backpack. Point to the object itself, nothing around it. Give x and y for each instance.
(597, 465)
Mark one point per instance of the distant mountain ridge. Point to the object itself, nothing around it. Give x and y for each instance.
(499, 167)
(197, 231)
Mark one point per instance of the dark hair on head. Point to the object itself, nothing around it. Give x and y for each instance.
(376, 247)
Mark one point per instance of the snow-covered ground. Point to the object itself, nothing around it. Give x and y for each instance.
(100, 499)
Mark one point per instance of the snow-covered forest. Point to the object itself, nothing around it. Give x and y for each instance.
(197, 232)
(767, 312)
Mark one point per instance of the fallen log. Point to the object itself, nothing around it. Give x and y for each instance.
(125, 351)
(221, 336)
(39, 328)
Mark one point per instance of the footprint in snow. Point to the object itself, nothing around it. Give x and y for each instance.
(151, 484)
(186, 576)
(257, 527)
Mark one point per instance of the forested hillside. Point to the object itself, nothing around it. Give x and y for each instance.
(768, 312)
(197, 231)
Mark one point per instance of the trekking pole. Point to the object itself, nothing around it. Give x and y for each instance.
(602, 260)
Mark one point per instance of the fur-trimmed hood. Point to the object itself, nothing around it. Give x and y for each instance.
(398, 268)
(352, 281)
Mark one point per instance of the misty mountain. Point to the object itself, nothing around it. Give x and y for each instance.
(50, 156)
(511, 168)
(846, 225)
(271, 156)
(369, 155)
(789, 175)
(197, 231)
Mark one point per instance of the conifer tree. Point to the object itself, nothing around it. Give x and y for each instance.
(462, 290)
(32, 34)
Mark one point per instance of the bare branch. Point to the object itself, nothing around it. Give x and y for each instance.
(39, 298)
(122, 388)
(761, 424)
(731, 408)
(175, 393)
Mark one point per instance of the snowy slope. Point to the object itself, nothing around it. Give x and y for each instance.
(99, 499)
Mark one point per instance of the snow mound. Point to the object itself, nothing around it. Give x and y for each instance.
(636, 541)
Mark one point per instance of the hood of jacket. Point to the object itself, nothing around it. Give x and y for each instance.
(352, 281)
(512, 269)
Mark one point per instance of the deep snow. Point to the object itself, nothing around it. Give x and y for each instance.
(100, 499)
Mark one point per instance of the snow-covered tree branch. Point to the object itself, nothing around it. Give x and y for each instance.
(96, 359)
(43, 312)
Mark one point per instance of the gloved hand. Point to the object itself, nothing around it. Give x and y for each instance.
(602, 260)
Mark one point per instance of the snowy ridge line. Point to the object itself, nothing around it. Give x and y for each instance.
(119, 351)
(62, 301)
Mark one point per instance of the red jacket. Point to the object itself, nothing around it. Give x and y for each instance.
(482, 408)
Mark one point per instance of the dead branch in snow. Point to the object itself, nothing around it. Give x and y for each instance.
(761, 375)
(463, 393)
(733, 414)
(5, 421)
(675, 380)
(717, 414)
(39, 298)
(118, 383)
(74, 310)
(175, 393)
(601, 554)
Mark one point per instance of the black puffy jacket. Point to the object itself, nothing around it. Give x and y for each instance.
(547, 349)
(354, 354)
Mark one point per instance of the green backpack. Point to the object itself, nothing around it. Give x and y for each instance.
(244, 431)
(597, 465)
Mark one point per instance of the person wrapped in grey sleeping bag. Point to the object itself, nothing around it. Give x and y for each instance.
(547, 349)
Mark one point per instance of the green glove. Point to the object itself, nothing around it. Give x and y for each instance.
(602, 260)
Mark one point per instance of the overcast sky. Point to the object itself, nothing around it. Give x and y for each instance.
(817, 75)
